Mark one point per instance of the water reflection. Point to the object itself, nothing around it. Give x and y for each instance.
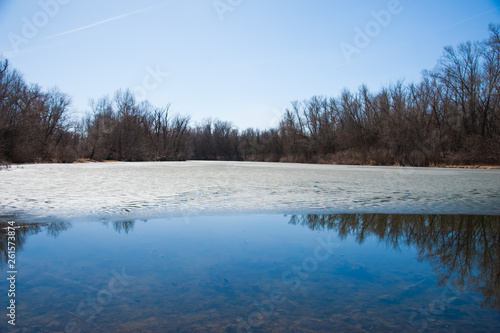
(24, 230)
(463, 248)
(54, 229)
(122, 226)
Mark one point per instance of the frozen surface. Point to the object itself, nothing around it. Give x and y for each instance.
(150, 189)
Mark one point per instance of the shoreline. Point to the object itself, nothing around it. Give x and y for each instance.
(484, 167)
(6, 166)
(444, 166)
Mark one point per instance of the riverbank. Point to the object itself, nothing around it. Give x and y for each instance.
(470, 166)
(456, 166)
(6, 166)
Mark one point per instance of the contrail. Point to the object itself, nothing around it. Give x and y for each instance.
(471, 18)
(101, 22)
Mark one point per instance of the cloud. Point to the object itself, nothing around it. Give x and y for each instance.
(115, 18)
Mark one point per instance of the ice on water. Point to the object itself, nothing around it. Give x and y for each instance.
(160, 189)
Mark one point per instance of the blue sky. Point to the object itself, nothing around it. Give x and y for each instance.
(237, 60)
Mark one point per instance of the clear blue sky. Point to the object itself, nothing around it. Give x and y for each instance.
(246, 67)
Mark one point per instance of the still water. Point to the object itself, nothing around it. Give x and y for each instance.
(258, 273)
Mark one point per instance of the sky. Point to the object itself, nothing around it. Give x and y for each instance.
(242, 61)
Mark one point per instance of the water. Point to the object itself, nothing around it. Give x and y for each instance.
(251, 247)
(146, 190)
(260, 273)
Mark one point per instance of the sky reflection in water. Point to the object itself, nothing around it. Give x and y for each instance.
(260, 273)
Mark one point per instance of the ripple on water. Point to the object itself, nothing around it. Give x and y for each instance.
(154, 188)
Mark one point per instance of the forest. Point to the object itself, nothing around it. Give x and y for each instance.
(450, 117)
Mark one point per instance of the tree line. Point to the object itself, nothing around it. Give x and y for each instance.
(452, 116)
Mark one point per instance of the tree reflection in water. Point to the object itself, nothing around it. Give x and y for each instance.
(122, 226)
(465, 248)
(24, 230)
